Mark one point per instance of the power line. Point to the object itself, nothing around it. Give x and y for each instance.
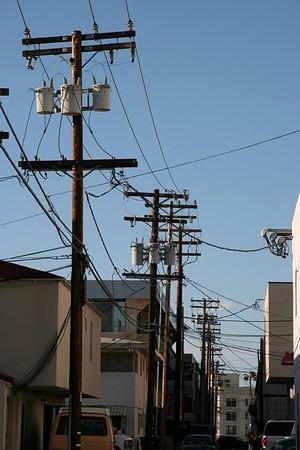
(217, 155)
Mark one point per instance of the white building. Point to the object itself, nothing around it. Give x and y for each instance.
(296, 310)
(233, 416)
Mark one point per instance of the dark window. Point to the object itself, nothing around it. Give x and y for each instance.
(90, 426)
(278, 428)
(231, 429)
(113, 319)
(188, 404)
(231, 402)
(231, 416)
(119, 362)
(143, 320)
(246, 402)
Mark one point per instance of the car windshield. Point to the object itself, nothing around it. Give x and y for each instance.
(279, 428)
(197, 439)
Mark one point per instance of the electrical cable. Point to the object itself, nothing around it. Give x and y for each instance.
(217, 155)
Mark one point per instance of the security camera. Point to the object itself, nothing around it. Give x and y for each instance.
(264, 232)
(273, 237)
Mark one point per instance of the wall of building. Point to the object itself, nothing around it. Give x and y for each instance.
(296, 314)
(278, 332)
(233, 417)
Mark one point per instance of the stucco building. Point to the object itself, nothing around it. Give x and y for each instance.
(34, 354)
(233, 415)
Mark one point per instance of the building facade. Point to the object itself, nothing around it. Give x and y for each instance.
(296, 312)
(234, 400)
(34, 354)
(124, 347)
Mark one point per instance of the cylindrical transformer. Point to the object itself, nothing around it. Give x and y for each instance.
(71, 103)
(154, 257)
(137, 250)
(44, 100)
(101, 97)
(170, 254)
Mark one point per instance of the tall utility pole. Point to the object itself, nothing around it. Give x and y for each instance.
(166, 349)
(77, 165)
(78, 269)
(152, 329)
(179, 335)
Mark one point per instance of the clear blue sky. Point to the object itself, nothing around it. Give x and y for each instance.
(220, 74)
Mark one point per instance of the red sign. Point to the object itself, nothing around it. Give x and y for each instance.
(288, 359)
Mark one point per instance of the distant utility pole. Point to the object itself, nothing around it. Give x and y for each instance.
(205, 305)
(77, 165)
(158, 201)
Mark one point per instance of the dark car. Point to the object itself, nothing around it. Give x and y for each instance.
(197, 442)
(231, 443)
(285, 444)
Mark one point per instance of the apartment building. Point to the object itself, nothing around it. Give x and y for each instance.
(124, 345)
(34, 354)
(233, 415)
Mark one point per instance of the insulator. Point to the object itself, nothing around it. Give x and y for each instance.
(132, 53)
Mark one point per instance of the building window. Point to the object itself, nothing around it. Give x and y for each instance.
(188, 404)
(231, 416)
(113, 314)
(231, 402)
(143, 320)
(231, 429)
(119, 362)
(246, 402)
(246, 416)
(91, 341)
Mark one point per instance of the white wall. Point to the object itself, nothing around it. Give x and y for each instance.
(296, 310)
(278, 331)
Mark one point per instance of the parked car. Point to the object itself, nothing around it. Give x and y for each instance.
(231, 443)
(197, 442)
(123, 441)
(96, 430)
(275, 430)
(285, 444)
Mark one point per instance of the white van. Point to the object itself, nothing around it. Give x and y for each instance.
(96, 430)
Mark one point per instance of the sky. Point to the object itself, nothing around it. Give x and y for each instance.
(219, 75)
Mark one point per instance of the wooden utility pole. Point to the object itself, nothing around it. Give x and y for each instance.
(77, 165)
(77, 299)
(166, 345)
(206, 305)
(178, 391)
(150, 416)
(155, 218)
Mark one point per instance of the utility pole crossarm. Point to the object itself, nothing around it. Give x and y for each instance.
(84, 37)
(150, 219)
(150, 194)
(86, 48)
(64, 164)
